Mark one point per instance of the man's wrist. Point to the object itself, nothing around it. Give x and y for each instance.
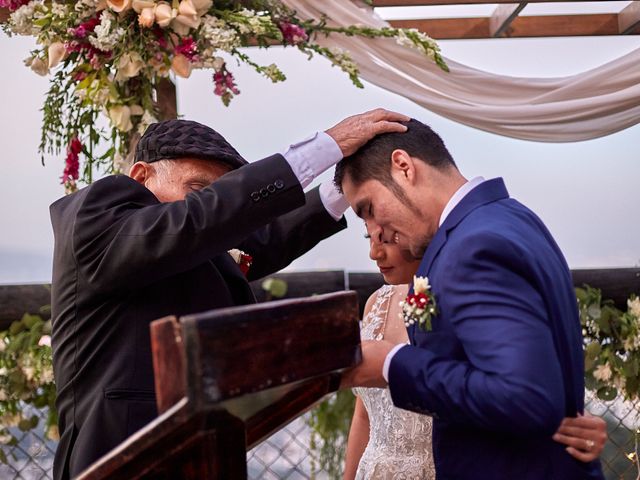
(387, 360)
(312, 156)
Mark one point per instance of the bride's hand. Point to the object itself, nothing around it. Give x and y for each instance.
(584, 436)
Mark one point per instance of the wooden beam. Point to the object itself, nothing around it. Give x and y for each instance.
(629, 19)
(503, 16)
(425, 3)
(528, 26)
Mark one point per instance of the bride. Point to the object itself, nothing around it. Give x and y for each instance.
(386, 442)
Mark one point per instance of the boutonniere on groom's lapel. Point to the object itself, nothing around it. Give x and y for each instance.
(420, 306)
(243, 259)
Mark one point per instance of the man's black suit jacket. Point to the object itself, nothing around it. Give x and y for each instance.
(123, 259)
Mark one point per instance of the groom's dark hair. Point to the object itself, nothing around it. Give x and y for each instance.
(373, 160)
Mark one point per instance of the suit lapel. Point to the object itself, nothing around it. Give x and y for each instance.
(487, 192)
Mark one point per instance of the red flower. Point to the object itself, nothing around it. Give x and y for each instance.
(292, 34)
(188, 48)
(245, 262)
(72, 162)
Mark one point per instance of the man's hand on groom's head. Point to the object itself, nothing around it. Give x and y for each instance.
(369, 372)
(353, 132)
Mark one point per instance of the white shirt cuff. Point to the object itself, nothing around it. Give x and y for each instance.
(387, 360)
(312, 156)
(333, 201)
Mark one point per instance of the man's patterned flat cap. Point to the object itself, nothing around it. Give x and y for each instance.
(185, 138)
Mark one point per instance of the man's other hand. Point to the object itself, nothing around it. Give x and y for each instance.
(369, 372)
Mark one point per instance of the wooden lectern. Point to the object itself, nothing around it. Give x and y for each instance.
(227, 379)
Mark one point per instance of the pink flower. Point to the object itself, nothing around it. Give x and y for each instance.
(12, 5)
(293, 34)
(83, 29)
(189, 48)
(225, 86)
(72, 162)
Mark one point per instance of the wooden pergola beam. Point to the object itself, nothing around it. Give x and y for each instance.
(503, 16)
(629, 19)
(527, 26)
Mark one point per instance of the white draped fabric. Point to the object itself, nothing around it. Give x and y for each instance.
(588, 105)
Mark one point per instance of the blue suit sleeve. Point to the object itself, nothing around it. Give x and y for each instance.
(508, 378)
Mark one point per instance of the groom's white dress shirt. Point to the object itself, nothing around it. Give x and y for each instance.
(311, 157)
(455, 199)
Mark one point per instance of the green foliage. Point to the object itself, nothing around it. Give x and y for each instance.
(274, 287)
(26, 379)
(330, 423)
(612, 344)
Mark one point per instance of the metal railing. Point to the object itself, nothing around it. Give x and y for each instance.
(286, 454)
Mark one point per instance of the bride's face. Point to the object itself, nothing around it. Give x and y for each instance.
(397, 265)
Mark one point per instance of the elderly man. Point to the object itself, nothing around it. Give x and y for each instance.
(131, 249)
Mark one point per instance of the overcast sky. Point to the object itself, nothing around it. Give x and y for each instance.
(587, 193)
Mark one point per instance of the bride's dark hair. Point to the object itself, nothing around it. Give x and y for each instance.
(373, 160)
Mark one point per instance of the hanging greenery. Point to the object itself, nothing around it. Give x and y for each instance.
(109, 57)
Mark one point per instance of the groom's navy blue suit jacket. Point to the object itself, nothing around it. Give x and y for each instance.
(503, 364)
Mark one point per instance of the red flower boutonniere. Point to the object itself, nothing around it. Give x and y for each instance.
(243, 259)
(420, 306)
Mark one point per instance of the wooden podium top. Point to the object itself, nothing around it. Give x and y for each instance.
(237, 375)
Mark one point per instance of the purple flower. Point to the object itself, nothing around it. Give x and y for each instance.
(189, 48)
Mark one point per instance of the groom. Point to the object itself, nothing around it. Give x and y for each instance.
(502, 364)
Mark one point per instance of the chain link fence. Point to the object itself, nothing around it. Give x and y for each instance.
(286, 454)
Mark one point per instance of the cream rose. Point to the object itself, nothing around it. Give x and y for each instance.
(57, 53)
(202, 6)
(634, 306)
(181, 66)
(119, 5)
(140, 5)
(146, 17)
(129, 66)
(39, 66)
(120, 117)
(164, 14)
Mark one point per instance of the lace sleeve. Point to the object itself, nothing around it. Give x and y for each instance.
(375, 319)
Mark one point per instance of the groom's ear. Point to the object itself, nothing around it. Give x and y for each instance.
(403, 169)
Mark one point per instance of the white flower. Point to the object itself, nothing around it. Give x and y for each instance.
(236, 255)
(21, 21)
(104, 38)
(218, 35)
(602, 373)
(129, 65)
(3, 395)
(2, 348)
(3, 371)
(45, 340)
(420, 284)
(634, 307)
(46, 376)
(5, 438)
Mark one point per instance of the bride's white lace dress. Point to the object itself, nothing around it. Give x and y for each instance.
(399, 441)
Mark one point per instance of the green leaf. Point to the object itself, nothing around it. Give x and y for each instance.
(16, 327)
(275, 287)
(31, 320)
(607, 393)
(25, 425)
(3, 457)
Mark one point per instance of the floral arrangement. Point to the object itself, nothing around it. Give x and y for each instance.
(420, 306)
(109, 56)
(243, 259)
(612, 344)
(26, 380)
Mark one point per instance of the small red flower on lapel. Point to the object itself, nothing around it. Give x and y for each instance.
(243, 259)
